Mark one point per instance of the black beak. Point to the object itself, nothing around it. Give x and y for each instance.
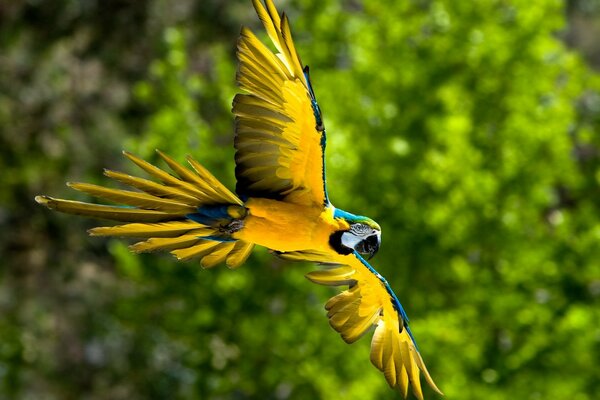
(369, 246)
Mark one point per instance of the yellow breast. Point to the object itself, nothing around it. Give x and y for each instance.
(283, 226)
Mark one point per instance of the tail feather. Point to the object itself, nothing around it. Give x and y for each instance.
(168, 179)
(218, 255)
(200, 249)
(166, 244)
(209, 194)
(213, 183)
(153, 188)
(163, 229)
(239, 254)
(191, 215)
(134, 199)
(114, 213)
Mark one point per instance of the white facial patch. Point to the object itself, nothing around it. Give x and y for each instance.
(350, 240)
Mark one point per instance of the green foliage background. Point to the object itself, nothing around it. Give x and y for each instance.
(466, 129)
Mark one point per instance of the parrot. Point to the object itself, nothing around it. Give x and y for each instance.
(280, 203)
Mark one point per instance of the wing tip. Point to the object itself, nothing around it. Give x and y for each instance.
(132, 157)
(98, 231)
(139, 247)
(43, 200)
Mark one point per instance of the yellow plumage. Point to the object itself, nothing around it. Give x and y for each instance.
(158, 212)
(279, 149)
(364, 304)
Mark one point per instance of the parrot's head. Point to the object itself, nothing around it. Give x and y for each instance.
(363, 235)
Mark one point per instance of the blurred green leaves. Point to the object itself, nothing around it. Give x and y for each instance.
(466, 129)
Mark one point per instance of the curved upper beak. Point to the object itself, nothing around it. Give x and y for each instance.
(370, 245)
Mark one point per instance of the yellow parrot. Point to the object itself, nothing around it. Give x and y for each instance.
(281, 202)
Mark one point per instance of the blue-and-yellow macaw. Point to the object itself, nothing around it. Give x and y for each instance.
(281, 202)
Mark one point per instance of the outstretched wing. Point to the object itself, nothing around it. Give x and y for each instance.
(369, 301)
(280, 138)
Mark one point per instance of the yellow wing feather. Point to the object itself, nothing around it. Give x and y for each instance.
(364, 304)
(279, 148)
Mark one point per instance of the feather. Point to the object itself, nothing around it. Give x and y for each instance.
(212, 182)
(104, 212)
(377, 344)
(284, 52)
(247, 108)
(279, 99)
(258, 147)
(411, 368)
(259, 171)
(333, 277)
(254, 136)
(369, 301)
(272, 131)
(250, 157)
(339, 301)
(402, 380)
(218, 255)
(286, 35)
(280, 108)
(252, 52)
(197, 250)
(214, 191)
(239, 254)
(166, 244)
(135, 199)
(428, 378)
(267, 20)
(166, 177)
(185, 174)
(358, 327)
(153, 188)
(264, 182)
(264, 162)
(163, 229)
(338, 320)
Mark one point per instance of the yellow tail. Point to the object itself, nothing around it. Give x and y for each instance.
(191, 215)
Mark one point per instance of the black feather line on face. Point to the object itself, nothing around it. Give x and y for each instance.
(335, 241)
